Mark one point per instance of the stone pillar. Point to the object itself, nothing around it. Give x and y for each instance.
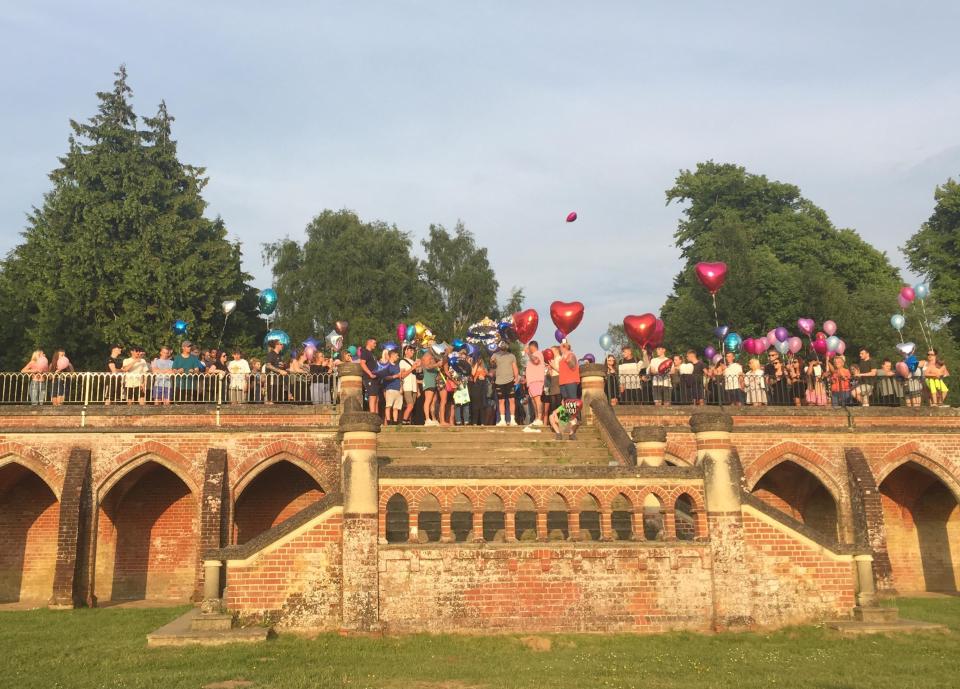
(573, 525)
(212, 600)
(351, 387)
(214, 505)
(360, 602)
(478, 525)
(592, 379)
(510, 526)
(651, 443)
(73, 533)
(866, 590)
(723, 477)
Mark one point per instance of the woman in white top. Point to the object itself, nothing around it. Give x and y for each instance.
(756, 384)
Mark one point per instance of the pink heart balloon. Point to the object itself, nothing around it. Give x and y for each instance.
(711, 275)
(806, 325)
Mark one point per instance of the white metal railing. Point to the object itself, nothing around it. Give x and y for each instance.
(220, 388)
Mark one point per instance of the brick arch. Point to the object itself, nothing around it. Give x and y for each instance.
(28, 458)
(675, 451)
(500, 492)
(656, 491)
(150, 451)
(453, 493)
(692, 494)
(394, 490)
(246, 479)
(612, 493)
(804, 457)
(321, 470)
(911, 452)
(595, 493)
(422, 495)
(516, 493)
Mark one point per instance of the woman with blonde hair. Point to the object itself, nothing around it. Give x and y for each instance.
(38, 366)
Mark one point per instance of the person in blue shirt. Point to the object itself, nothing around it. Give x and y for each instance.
(389, 373)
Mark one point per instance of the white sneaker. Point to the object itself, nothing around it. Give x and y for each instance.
(501, 422)
(512, 423)
(530, 429)
(537, 422)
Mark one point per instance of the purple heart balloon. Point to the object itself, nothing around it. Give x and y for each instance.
(806, 325)
(721, 331)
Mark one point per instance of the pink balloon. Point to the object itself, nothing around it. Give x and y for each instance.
(903, 301)
(806, 325)
(401, 332)
(830, 328)
(902, 369)
(908, 294)
(772, 337)
(820, 346)
(795, 344)
(842, 347)
(571, 216)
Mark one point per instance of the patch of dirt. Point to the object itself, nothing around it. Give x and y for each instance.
(540, 644)
(229, 684)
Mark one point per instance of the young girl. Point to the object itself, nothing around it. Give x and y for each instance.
(756, 384)
(934, 372)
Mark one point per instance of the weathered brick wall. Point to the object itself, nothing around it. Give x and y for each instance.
(565, 587)
(296, 580)
(275, 495)
(29, 520)
(792, 581)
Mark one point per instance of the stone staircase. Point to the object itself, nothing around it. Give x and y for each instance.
(488, 445)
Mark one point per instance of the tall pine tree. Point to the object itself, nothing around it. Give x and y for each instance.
(120, 247)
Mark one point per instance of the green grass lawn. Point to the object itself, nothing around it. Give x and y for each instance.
(107, 648)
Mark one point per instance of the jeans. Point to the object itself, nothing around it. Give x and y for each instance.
(462, 414)
(841, 399)
(320, 393)
(36, 392)
(569, 391)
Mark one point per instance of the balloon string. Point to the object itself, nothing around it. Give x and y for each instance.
(926, 323)
(716, 320)
(222, 330)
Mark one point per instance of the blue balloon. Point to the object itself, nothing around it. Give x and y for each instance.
(472, 350)
(922, 290)
(911, 361)
(721, 331)
(606, 342)
(457, 344)
(732, 342)
(179, 327)
(492, 347)
(278, 335)
(411, 333)
(897, 321)
(311, 343)
(390, 346)
(268, 301)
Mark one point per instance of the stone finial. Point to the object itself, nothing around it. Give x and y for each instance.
(707, 421)
(592, 371)
(648, 434)
(349, 369)
(359, 421)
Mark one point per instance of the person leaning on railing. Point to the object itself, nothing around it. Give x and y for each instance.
(239, 370)
(162, 368)
(187, 367)
(276, 372)
(113, 386)
(38, 366)
(62, 377)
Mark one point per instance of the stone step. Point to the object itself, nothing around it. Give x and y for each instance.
(474, 460)
(211, 622)
(180, 632)
(855, 627)
(457, 445)
(876, 613)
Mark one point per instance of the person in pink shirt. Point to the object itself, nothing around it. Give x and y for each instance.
(38, 366)
(535, 373)
(61, 366)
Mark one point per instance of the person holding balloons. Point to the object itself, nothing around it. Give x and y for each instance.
(840, 381)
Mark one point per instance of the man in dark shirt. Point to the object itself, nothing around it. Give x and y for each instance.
(371, 383)
(868, 374)
(275, 371)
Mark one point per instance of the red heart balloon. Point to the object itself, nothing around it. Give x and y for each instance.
(657, 337)
(640, 329)
(525, 323)
(712, 275)
(566, 315)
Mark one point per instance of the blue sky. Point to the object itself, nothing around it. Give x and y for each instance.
(506, 115)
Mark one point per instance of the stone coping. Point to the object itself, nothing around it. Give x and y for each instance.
(685, 411)
(261, 541)
(521, 472)
(123, 410)
(569, 545)
(169, 429)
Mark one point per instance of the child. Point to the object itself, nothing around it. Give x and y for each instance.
(256, 381)
(239, 373)
(565, 419)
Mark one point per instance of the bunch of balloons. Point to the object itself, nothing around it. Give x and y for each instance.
(909, 295)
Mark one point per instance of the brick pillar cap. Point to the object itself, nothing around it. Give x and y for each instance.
(359, 421)
(593, 371)
(706, 421)
(649, 434)
(349, 369)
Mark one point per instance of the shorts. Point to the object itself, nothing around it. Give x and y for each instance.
(734, 396)
(409, 396)
(662, 393)
(937, 386)
(393, 399)
(133, 394)
(535, 388)
(371, 386)
(161, 392)
(914, 388)
(864, 390)
(505, 391)
(569, 391)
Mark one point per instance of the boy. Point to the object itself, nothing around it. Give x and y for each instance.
(390, 374)
(565, 419)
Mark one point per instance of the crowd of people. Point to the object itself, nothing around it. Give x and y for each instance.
(408, 385)
(663, 379)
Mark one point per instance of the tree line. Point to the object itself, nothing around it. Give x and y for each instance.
(121, 247)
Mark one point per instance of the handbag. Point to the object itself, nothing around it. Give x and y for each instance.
(461, 395)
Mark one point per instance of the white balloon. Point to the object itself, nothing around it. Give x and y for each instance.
(229, 306)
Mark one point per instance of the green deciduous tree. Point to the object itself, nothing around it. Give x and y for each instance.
(120, 247)
(785, 260)
(934, 253)
(459, 273)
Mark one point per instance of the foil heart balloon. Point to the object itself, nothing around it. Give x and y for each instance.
(906, 348)
(342, 327)
(640, 329)
(711, 275)
(525, 323)
(572, 216)
(657, 337)
(566, 315)
(721, 331)
(229, 306)
(806, 325)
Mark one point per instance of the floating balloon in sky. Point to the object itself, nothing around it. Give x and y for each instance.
(268, 301)
(571, 216)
